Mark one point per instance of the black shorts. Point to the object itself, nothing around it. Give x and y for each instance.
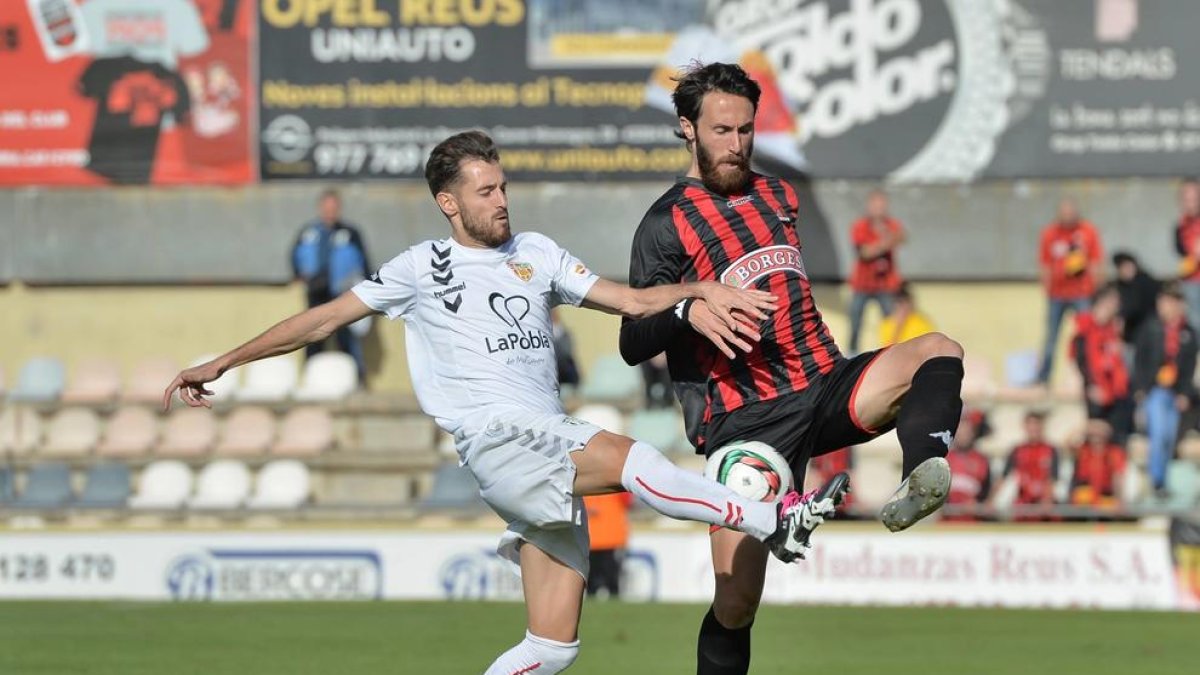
(803, 424)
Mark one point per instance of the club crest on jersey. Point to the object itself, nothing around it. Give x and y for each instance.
(757, 264)
(579, 269)
(524, 271)
(782, 216)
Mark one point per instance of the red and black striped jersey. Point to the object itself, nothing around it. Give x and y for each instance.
(745, 240)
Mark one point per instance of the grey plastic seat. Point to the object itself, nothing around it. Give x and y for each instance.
(41, 380)
(48, 487)
(107, 487)
(454, 489)
(7, 494)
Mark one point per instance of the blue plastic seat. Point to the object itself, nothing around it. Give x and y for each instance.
(48, 487)
(41, 380)
(107, 487)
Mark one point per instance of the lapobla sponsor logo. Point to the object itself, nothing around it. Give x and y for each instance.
(757, 264)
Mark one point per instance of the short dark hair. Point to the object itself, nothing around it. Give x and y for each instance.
(330, 193)
(445, 162)
(1121, 257)
(699, 79)
(1171, 289)
(1109, 288)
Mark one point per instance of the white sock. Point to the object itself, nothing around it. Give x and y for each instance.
(535, 656)
(684, 495)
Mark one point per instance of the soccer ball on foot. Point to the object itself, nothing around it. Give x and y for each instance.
(752, 469)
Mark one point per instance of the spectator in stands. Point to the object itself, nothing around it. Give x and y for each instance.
(657, 380)
(1099, 354)
(1071, 256)
(564, 352)
(1164, 364)
(970, 469)
(1139, 294)
(1187, 243)
(1099, 468)
(329, 256)
(905, 321)
(1034, 466)
(875, 237)
(823, 467)
(608, 529)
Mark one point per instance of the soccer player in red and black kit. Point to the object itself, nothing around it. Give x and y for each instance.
(784, 381)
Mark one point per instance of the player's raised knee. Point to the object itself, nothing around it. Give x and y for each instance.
(933, 345)
(733, 605)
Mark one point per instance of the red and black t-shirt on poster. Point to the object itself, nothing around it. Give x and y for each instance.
(125, 92)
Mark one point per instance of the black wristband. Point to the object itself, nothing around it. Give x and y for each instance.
(683, 309)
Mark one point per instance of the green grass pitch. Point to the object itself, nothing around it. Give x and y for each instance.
(461, 638)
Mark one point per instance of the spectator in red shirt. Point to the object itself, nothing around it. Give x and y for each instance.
(875, 237)
(1099, 468)
(1187, 243)
(1071, 257)
(970, 469)
(1099, 354)
(1034, 465)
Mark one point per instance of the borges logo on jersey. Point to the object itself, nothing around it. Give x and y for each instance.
(511, 310)
(276, 575)
(755, 265)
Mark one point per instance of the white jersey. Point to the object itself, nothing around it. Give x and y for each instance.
(477, 322)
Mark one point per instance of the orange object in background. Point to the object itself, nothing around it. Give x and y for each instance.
(608, 520)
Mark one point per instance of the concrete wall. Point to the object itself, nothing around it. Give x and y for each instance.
(986, 231)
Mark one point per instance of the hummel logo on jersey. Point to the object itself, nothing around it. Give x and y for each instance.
(441, 263)
(782, 216)
(943, 436)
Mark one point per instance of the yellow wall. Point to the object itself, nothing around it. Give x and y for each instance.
(183, 322)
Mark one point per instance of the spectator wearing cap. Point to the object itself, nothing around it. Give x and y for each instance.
(1099, 354)
(1139, 294)
(1187, 244)
(970, 470)
(905, 322)
(1099, 468)
(1034, 466)
(1070, 256)
(876, 236)
(1164, 364)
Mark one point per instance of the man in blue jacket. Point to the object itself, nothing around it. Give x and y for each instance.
(329, 256)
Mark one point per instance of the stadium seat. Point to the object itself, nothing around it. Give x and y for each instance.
(1065, 424)
(611, 380)
(7, 491)
(20, 430)
(224, 484)
(281, 484)
(94, 381)
(305, 431)
(107, 487)
(130, 432)
(602, 415)
(1021, 368)
(148, 380)
(47, 486)
(662, 428)
(224, 388)
(454, 489)
(1183, 485)
(248, 431)
(189, 432)
(41, 380)
(328, 376)
(72, 432)
(271, 379)
(165, 484)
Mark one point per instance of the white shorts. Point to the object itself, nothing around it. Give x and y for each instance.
(522, 461)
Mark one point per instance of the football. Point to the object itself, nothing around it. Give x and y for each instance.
(752, 469)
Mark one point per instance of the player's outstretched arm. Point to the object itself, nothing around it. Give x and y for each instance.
(313, 325)
(639, 303)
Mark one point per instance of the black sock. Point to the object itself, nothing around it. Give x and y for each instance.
(929, 414)
(721, 650)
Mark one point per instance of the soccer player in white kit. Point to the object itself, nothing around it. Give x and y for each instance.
(476, 308)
